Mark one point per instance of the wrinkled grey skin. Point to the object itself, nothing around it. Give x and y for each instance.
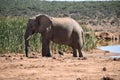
(59, 30)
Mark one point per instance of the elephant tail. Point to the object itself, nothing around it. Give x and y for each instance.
(83, 38)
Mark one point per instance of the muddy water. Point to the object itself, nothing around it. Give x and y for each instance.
(111, 46)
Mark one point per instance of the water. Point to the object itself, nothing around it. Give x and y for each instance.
(111, 47)
(114, 48)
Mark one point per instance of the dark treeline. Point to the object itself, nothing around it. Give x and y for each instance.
(53, 8)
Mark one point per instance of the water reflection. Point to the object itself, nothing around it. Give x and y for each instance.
(107, 43)
(112, 46)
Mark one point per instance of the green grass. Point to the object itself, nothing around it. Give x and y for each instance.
(12, 31)
(90, 41)
(11, 34)
(89, 38)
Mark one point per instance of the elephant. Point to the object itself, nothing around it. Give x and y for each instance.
(63, 30)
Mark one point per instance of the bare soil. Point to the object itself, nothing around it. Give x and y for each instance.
(93, 67)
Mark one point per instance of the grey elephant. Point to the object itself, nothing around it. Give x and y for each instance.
(59, 30)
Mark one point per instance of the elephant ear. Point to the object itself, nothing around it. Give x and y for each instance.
(43, 20)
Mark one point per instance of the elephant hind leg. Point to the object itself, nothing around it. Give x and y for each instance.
(80, 53)
(74, 52)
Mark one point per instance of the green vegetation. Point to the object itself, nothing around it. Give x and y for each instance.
(89, 38)
(53, 8)
(91, 12)
(90, 41)
(11, 34)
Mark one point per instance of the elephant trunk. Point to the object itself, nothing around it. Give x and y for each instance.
(83, 39)
(26, 37)
(26, 47)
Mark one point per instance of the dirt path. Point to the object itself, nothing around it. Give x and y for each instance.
(18, 67)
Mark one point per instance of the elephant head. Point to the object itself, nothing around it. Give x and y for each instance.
(43, 23)
(37, 24)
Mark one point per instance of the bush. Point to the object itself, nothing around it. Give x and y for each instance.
(11, 34)
(89, 38)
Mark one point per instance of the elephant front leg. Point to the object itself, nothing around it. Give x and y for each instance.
(45, 48)
(26, 51)
(26, 47)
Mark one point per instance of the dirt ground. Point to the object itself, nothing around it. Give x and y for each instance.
(93, 67)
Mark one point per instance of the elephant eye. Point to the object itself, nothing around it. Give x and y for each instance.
(31, 27)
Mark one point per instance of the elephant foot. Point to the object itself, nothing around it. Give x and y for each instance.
(82, 58)
(74, 55)
(26, 55)
(80, 55)
(46, 55)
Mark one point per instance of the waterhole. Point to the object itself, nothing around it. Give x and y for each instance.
(111, 46)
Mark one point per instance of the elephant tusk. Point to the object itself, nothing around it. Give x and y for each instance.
(28, 38)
